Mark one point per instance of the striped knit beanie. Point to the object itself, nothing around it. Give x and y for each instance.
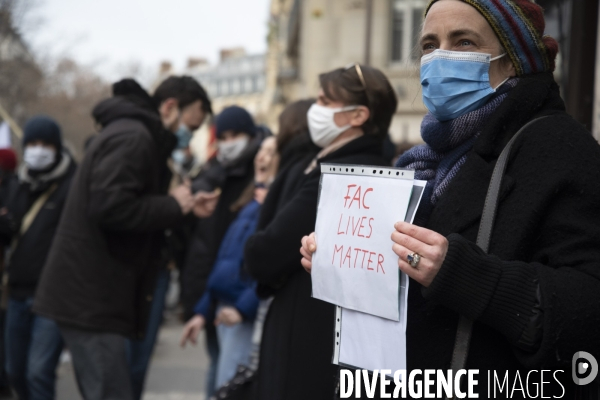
(519, 24)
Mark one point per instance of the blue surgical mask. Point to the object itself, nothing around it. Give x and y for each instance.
(456, 82)
(179, 157)
(184, 136)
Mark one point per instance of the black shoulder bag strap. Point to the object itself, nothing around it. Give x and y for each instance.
(465, 325)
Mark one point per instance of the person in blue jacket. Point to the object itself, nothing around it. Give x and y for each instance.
(229, 290)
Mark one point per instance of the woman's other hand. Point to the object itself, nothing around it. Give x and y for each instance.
(309, 246)
(429, 245)
(228, 316)
(192, 329)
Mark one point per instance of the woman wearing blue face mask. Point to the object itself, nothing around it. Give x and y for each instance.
(351, 117)
(531, 303)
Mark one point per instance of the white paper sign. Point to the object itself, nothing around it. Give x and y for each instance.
(4, 135)
(354, 266)
(373, 343)
(365, 341)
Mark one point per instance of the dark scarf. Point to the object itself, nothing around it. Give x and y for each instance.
(40, 181)
(445, 150)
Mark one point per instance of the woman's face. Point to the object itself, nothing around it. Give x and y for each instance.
(341, 118)
(457, 26)
(355, 117)
(266, 161)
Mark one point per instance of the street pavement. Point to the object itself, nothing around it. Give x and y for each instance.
(175, 373)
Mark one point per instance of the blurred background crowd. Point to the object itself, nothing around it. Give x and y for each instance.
(211, 136)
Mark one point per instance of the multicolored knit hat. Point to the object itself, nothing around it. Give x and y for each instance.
(519, 24)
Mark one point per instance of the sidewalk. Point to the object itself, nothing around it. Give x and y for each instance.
(175, 373)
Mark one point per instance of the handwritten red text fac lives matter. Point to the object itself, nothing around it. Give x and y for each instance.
(355, 221)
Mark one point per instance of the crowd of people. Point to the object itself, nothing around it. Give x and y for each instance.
(89, 248)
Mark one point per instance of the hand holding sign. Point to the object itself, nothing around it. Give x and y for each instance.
(430, 245)
(355, 266)
(355, 331)
(309, 246)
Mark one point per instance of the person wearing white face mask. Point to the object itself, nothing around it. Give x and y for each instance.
(234, 129)
(351, 117)
(222, 180)
(35, 201)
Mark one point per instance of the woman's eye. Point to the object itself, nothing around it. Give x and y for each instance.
(428, 47)
(465, 43)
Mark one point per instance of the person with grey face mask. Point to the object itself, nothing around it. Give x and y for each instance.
(235, 128)
(222, 179)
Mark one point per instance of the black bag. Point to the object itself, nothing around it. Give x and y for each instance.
(241, 387)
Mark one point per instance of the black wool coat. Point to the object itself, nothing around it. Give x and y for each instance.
(297, 343)
(101, 270)
(535, 299)
(295, 157)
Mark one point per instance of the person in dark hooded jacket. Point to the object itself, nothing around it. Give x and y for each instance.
(100, 275)
(34, 203)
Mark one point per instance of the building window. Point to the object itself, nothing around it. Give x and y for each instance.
(405, 29)
(397, 34)
(248, 85)
(236, 86)
(261, 83)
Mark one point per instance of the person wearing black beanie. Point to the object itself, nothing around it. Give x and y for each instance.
(235, 119)
(228, 175)
(34, 205)
(234, 129)
(42, 144)
(44, 129)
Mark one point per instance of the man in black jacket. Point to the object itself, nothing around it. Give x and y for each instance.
(100, 275)
(194, 104)
(34, 203)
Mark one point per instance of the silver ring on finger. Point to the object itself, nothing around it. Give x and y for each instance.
(413, 259)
